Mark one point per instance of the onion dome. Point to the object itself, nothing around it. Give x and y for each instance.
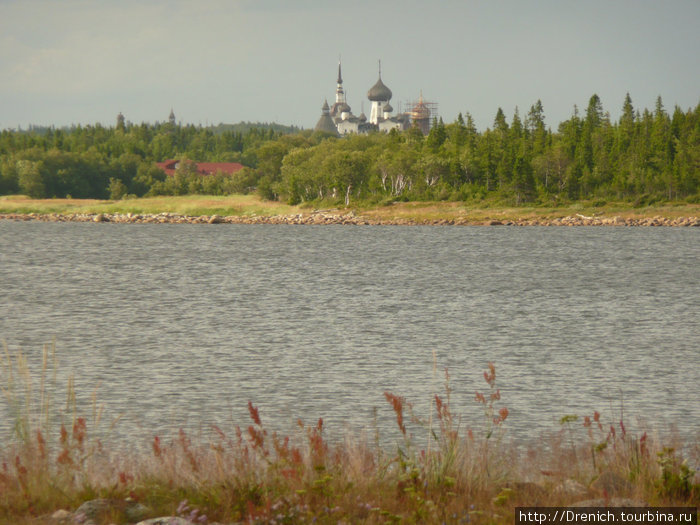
(363, 117)
(388, 108)
(340, 107)
(379, 92)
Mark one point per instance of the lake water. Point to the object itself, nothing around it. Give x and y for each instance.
(181, 325)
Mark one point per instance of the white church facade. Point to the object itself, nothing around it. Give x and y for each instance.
(381, 117)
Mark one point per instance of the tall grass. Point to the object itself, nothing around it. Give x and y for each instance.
(253, 475)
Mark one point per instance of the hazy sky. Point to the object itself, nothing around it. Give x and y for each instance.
(83, 61)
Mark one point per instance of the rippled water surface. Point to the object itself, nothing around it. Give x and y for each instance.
(183, 324)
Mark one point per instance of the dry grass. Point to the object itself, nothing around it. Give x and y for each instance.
(252, 475)
(415, 211)
(184, 205)
(430, 211)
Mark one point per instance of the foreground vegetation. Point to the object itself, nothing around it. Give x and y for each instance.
(252, 475)
(646, 157)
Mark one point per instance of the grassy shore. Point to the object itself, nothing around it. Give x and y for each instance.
(249, 474)
(250, 205)
(184, 205)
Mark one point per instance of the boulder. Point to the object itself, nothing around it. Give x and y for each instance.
(611, 483)
(135, 511)
(571, 488)
(61, 516)
(93, 509)
(97, 510)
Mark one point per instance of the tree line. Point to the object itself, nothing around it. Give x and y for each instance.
(644, 156)
(103, 162)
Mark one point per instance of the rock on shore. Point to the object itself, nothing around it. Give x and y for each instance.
(321, 218)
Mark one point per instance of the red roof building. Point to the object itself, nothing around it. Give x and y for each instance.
(203, 168)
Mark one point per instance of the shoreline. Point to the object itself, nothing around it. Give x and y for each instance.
(350, 218)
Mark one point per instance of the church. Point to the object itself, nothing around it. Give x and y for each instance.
(340, 120)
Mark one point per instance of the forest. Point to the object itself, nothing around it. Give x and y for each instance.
(644, 157)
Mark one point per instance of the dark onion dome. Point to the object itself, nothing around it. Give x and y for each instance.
(363, 117)
(340, 107)
(379, 92)
(325, 123)
(388, 108)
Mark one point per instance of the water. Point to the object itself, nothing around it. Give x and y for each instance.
(181, 325)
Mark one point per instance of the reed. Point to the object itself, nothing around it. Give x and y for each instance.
(250, 474)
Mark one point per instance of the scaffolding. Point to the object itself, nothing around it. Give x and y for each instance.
(422, 113)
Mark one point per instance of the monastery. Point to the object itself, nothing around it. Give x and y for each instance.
(338, 119)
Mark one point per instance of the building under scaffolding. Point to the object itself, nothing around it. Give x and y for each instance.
(422, 113)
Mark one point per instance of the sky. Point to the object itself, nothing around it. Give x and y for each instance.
(65, 62)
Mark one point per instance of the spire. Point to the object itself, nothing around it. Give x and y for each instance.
(340, 100)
